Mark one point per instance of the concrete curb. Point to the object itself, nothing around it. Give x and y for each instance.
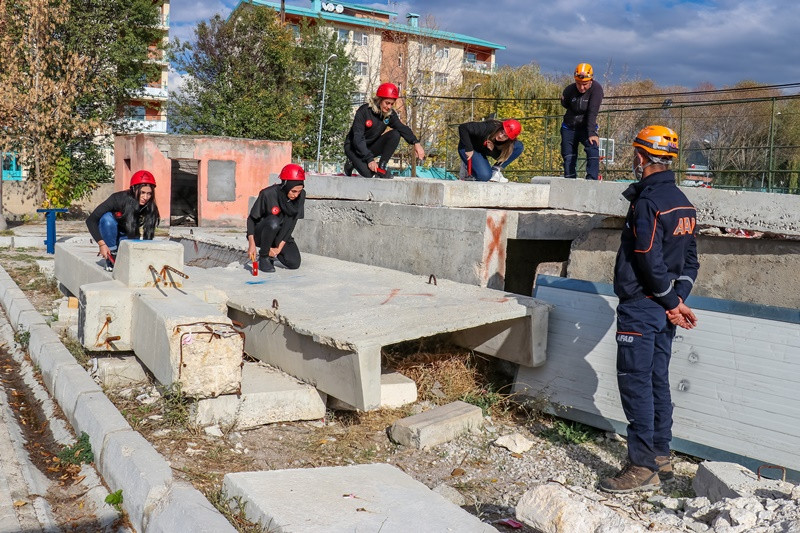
(153, 499)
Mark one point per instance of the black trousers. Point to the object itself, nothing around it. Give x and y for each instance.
(385, 145)
(266, 235)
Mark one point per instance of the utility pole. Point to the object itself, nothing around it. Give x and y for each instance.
(283, 12)
(414, 129)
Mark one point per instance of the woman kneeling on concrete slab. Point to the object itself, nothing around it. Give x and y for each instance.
(477, 141)
(128, 214)
(272, 220)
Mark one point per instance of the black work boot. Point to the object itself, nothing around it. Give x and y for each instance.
(382, 171)
(348, 168)
(266, 263)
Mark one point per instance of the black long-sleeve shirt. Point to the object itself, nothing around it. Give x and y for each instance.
(114, 204)
(267, 204)
(582, 108)
(368, 126)
(472, 136)
(658, 253)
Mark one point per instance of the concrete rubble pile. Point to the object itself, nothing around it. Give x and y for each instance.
(730, 499)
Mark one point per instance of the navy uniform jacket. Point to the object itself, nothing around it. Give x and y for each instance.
(582, 108)
(267, 204)
(368, 126)
(657, 257)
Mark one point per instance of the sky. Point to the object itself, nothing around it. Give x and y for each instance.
(673, 42)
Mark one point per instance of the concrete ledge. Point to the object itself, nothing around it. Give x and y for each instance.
(54, 358)
(396, 391)
(185, 509)
(429, 192)
(130, 463)
(98, 417)
(116, 372)
(777, 213)
(72, 381)
(438, 425)
(28, 318)
(75, 269)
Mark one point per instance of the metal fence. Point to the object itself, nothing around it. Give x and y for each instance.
(741, 143)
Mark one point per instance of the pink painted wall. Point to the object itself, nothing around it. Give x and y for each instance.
(255, 161)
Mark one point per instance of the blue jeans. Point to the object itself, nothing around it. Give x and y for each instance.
(644, 347)
(481, 168)
(110, 232)
(570, 139)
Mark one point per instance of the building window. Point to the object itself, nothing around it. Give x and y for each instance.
(469, 57)
(426, 48)
(443, 52)
(344, 36)
(135, 112)
(358, 98)
(360, 38)
(295, 31)
(400, 59)
(425, 77)
(360, 68)
(440, 78)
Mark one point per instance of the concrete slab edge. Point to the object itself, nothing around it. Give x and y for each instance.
(124, 458)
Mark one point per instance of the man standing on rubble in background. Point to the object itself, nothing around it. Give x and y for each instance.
(582, 101)
(655, 270)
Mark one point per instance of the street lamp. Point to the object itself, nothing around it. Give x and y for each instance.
(472, 98)
(322, 107)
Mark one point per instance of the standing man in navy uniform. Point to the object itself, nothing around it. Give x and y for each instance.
(582, 101)
(368, 138)
(655, 270)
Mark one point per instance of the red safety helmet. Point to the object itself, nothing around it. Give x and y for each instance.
(388, 90)
(512, 128)
(143, 177)
(292, 172)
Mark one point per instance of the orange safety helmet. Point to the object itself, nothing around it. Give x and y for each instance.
(292, 172)
(584, 72)
(388, 90)
(658, 141)
(143, 177)
(512, 128)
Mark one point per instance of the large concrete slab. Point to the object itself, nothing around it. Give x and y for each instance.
(777, 213)
(326, 322)
(374, 497)
(77, 263)
(428, 192)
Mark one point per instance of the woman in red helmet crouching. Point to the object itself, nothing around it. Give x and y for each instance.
(368, 138)
(478, 141)
(272, 220)
(128, 214)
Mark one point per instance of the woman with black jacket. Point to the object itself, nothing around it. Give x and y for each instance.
(128, 214)
(366, 139)
(272, 220)
(477, 141)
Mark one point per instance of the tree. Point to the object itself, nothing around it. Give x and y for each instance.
(248, 76)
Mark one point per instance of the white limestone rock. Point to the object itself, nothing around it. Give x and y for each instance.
(552, 508)
(515, 443)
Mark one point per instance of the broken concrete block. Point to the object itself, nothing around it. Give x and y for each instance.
(552, 508)
(268, 396)
(119, 372)
(135, 259)
(438, 425)
(343, 499)
(515, 443)
(105, 316)
(718, 480)
(396, 391)
(183, 340)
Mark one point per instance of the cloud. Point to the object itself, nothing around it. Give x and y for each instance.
(673, 42)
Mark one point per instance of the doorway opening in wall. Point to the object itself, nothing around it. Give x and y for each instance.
(183, 198)
(524, 257)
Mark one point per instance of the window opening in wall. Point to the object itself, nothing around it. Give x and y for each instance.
(183, 195)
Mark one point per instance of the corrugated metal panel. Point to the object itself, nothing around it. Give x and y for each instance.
(740, 372)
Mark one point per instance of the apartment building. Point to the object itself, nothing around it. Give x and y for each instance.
(411, 55)
(148, 111)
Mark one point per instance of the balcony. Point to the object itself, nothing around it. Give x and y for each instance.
(484, 67)
(154, 93)
(138, 125)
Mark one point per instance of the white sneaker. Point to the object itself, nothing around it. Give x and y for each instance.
(497, 177)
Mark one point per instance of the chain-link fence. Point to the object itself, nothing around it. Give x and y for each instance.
(744, 143)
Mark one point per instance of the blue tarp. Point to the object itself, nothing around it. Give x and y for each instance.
(438, 173)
